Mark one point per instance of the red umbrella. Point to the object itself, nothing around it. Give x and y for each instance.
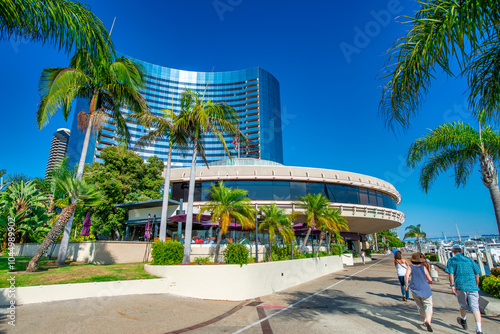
(86, 225)
(182, 218)
(147, 231)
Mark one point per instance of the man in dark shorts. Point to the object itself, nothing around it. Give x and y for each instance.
(463, 274)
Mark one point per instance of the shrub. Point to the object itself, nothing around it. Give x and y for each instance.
(336, 249)
(202, 260)
(368, 252)
(491, 285)
(495, 272)
(356, 254)
(481, 279)
(235, 254)
(432, 257)
(282, 253)
(167, 253)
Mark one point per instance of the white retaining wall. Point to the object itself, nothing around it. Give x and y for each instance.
(232, 282)
(57, 292)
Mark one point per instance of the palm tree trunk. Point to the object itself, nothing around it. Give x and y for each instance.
(217, 246)
(305, 239)
(329, 241)
(54, 232)
(269, 251)
(189, 217)
(166, 190)
(63, 248)
(319, 246)
(489, 176)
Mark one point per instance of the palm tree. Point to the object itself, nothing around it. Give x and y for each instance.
(65, 24)
(315, 211)
(414, 231)
(334, 223)
(227, 204)
(459, 146)
(79, 193)
(20, 201)
(276, 222)
(165, 127)
(443, 31)
(108, 85)
(199, 119)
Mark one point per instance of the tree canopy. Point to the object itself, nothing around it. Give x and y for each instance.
(123, 177)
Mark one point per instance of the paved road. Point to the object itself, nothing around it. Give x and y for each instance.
(359, 299)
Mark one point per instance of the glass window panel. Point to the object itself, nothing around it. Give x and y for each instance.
(197, 191)
(380, 199)
(231, 184)
(297, 189)
(372, 198)
(330, 192)
(315, 188)
(264, 190)
(248, 186)
(177, 191)
(185, 190)
(341, 194)
(353, 195)
(281, 191)
(363, 196)
(205, 191)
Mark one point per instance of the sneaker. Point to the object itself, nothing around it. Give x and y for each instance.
(404, 298)
(429, 328)
(462, 322)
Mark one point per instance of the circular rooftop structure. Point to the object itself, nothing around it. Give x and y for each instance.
(369, 204)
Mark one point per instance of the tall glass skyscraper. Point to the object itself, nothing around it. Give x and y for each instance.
(254, 93)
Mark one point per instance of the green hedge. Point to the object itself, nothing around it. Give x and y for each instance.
(432, 257)
(368, 252)
(336, 249)
(495, 272)
(167, 253)
(491, 285)
(235, 254)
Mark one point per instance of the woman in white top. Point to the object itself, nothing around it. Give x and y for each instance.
(401, 266)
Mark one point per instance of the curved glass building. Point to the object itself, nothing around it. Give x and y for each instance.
(254, 93)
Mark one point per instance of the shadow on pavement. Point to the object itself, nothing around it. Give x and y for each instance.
(335, 302)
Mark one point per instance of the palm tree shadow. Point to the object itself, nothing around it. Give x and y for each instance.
(386, 295)
(335, 302)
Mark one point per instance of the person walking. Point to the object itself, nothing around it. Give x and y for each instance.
(420, 289)
(426, 264)
(463, 274)
(401, 265)
(363, 255)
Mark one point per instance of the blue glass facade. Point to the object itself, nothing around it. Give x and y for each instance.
(254, 93)
(289, 191)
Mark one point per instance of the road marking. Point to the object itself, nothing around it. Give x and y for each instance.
(306, 298)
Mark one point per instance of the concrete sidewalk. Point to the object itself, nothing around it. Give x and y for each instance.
(359, 299)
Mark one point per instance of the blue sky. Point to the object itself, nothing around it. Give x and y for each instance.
(325, 54)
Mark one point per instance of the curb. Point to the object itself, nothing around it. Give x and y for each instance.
(488, 305)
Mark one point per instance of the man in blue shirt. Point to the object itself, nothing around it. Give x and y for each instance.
(463, 274)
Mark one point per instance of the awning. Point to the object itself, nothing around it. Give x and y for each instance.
(353, 236)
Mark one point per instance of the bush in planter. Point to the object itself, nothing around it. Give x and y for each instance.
(368, 252)
(283, 253)
(495, 272)
(336, 249)
(167, 253)
(491, 285)
(432, 257)
(202, 260)
(481, 279)
(356, 254)
(235, 254)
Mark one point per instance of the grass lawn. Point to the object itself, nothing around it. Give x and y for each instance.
(48, 273)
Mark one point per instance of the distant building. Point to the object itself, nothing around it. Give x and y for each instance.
(254, 93)
(58, 148)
